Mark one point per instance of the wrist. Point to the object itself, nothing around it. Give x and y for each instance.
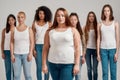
(12, 55)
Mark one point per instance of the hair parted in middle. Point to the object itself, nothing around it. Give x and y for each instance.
(87, 26)
(67, 21)
(103, 17)
(47, 12)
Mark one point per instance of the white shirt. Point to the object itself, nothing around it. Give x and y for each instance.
(7, 41)
(61, 47)
(91, 44)
(108, 39)
(40, 32)
(21, 41)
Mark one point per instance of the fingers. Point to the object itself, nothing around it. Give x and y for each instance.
(115, 59)
(3, 56)
(29, 58)
(99, 59)
(83, 60)
(75, 69)
(45, 69)
(34, 54)
(13, 60)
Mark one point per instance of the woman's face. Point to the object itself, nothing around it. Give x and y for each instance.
(73, 21)
(107, 11)
(21, 18)
(41, 15)
(11, 21)
(91, 18)
(60, 17)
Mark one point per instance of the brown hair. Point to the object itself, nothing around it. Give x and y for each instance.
(78, 26)
(103, 17)
(55, 23)
(87, 27)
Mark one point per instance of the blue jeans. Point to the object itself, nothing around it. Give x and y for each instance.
(107, 58)
(61, 71)
(92, 64)
(78, 76)
(21, 59)
(38, 59)
(8, 65)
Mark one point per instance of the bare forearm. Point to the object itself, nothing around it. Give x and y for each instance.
(44, 56)
(31, 48)
(2, 47)
(77, 57)
(12, 49)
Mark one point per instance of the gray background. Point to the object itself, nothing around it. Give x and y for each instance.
(82, 7)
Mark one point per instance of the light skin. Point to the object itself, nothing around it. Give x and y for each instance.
(91, 19)
(107, 22)
(41, 22)
(11, 22)
(74, 21)
(61, 28)
(21, 27)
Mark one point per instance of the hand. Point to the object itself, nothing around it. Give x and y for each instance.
(98, 58)
(29, 57)
(3, 56)
(116, 57)
(45, 69)
(12, 58)
(83, 60)
(34, 53)
(76, 69)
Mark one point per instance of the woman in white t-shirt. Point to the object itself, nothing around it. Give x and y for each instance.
(22, 44)
(108, 43)
(61, 48)
(90, 30)
(5, 45)
(74, 20)
(42, 21)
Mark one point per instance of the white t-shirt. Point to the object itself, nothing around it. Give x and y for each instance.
(7, 41)
(91, 44)
(21, 41)
(40, 32)
(61, 47)
(108, 39)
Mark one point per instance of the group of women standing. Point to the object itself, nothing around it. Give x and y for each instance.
(62, 47)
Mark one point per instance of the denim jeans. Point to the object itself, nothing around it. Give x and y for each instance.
(78, 76)
(8, 65)
(92, 64)
(38, 59)
(21, 59)
(61, 71)
(107, 59)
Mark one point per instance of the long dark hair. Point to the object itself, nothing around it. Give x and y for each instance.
(103, 17)
(7, 22)
(78, 26)
(47, 12)
(87, 26)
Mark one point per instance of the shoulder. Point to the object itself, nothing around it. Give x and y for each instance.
(3, 30)
(83, 28)
(116, 23)
(74, 30)
(30, 29)
(50, 24)
(99, 24)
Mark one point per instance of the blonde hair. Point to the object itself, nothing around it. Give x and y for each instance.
(21, 12)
